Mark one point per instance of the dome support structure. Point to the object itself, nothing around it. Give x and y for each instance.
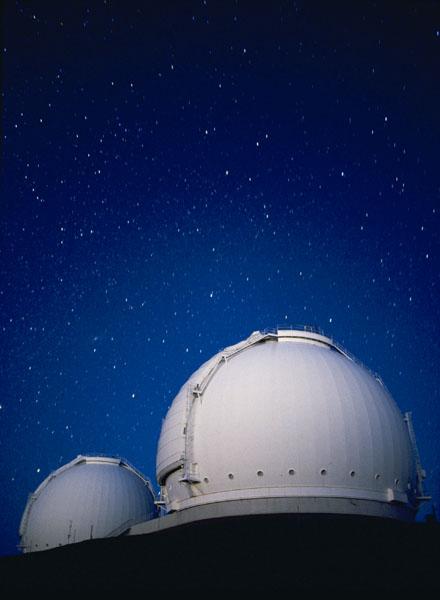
(421, 473)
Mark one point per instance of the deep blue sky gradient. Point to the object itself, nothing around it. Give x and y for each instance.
(177, 175)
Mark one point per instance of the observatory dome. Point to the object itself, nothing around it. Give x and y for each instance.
(290, 421)
(90, 497)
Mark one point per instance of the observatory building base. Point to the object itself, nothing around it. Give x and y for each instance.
(274, 506)
(287, 553)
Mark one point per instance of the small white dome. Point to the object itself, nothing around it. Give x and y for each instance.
(290, 415)
(90, 497)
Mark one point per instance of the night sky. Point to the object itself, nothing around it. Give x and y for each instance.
(177, 175)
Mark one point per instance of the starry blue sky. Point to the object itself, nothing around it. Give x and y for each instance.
(177, 175)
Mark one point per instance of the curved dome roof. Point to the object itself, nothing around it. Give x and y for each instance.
(289, 415)
(90, 497)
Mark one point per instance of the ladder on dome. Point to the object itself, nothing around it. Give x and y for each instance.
(421, 473)
(197, 389)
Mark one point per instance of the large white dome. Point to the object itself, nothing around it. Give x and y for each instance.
(90, 497)
(288, 415)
